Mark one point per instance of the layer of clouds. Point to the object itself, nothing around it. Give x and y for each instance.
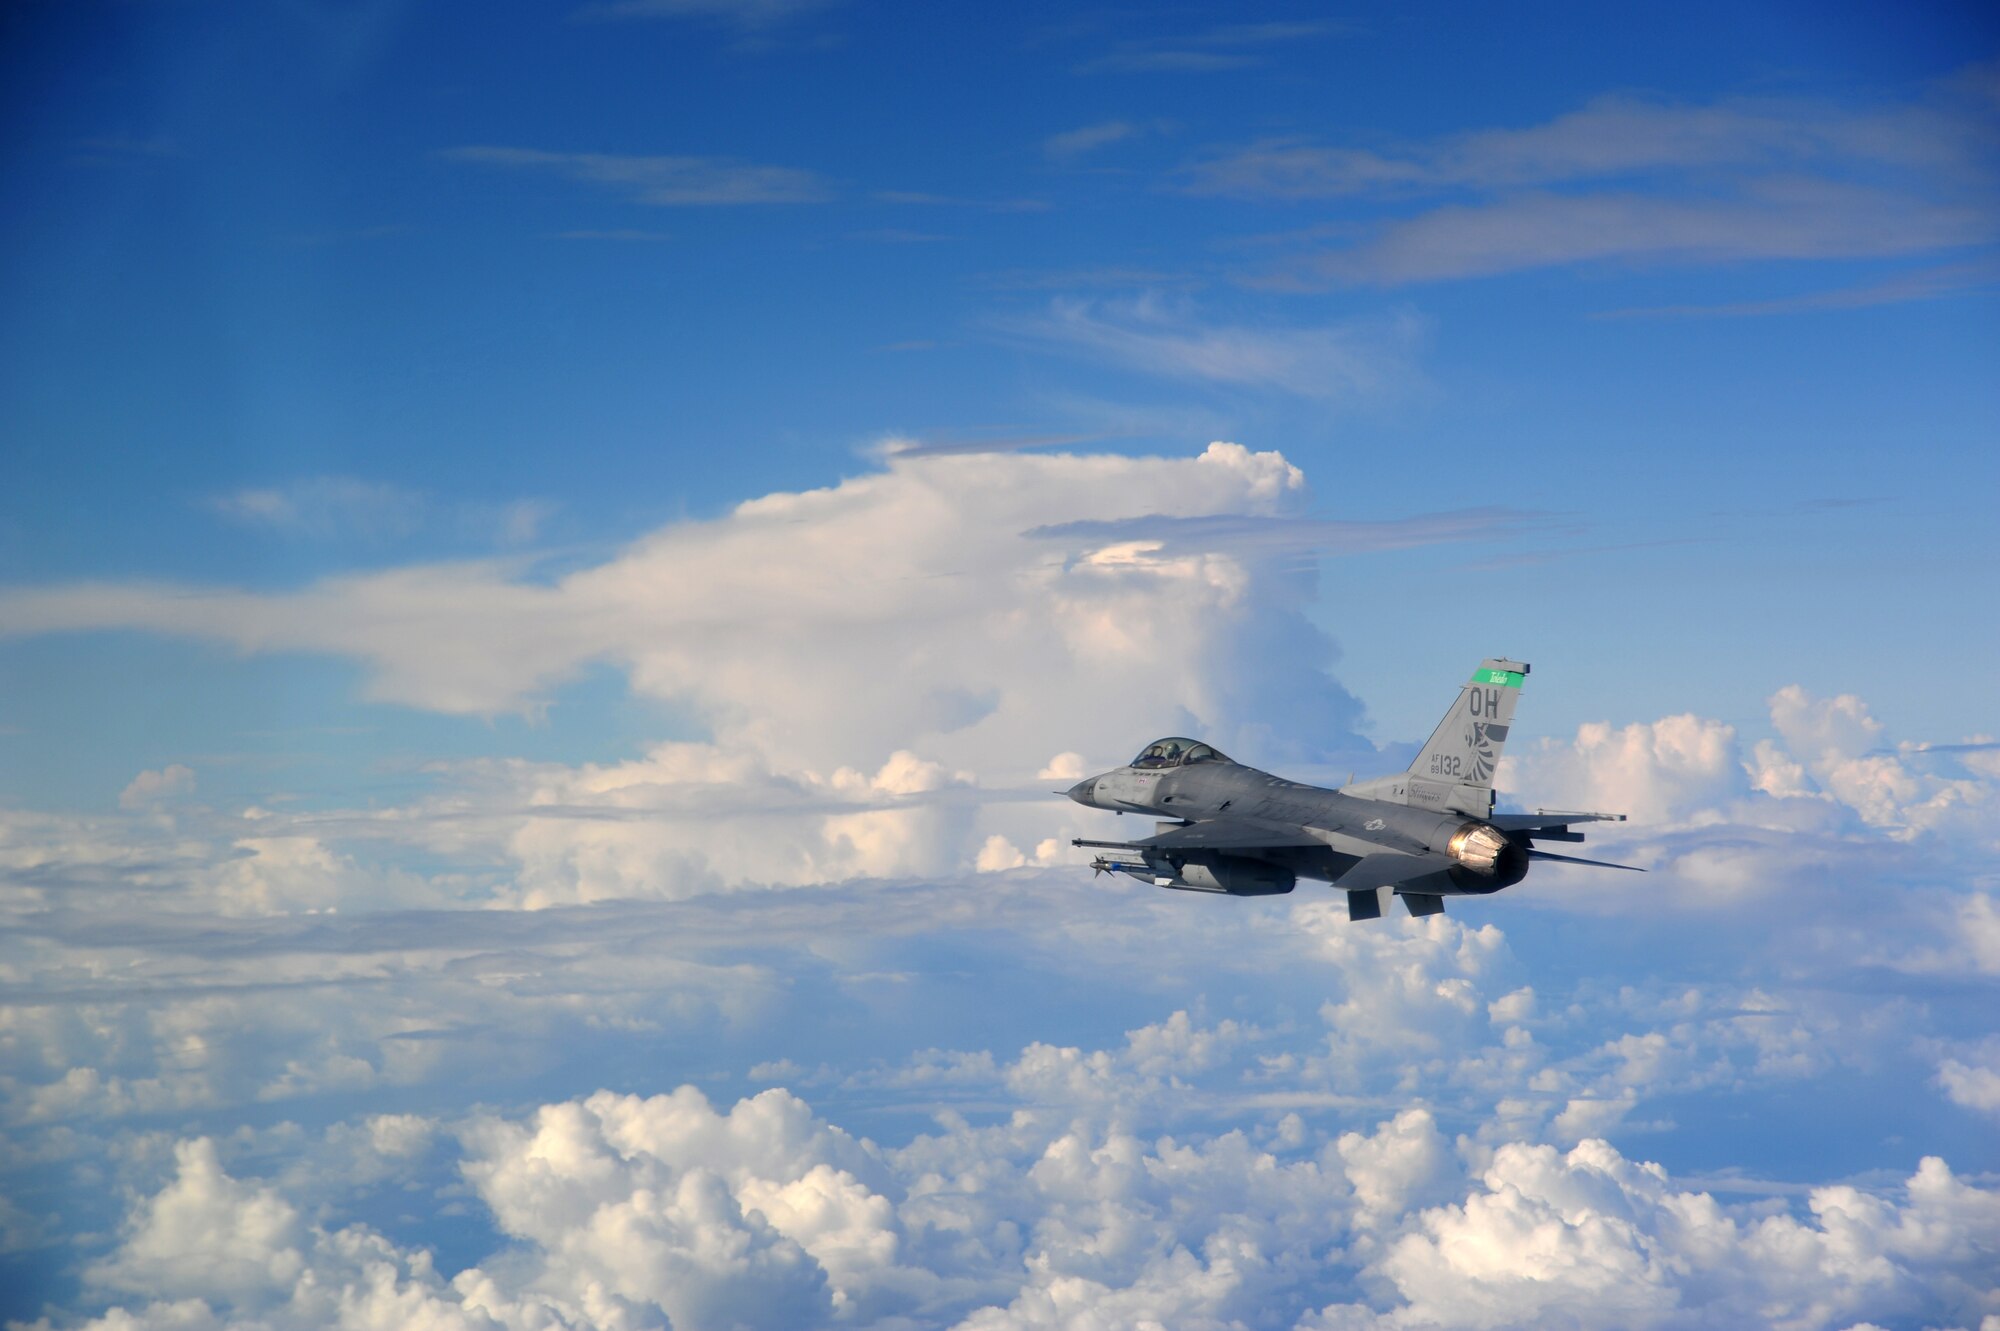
(1329, 1166)
(183, 958)
(1305, 1122)
(1072, 1209)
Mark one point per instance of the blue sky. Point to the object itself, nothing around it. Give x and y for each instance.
(554, 553)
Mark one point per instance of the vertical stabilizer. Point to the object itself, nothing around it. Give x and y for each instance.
(1455, 769)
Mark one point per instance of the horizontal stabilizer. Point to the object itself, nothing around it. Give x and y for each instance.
(1389, 868)
(1578, 859)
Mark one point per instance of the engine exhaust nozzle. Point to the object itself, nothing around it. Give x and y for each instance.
(1483, 849)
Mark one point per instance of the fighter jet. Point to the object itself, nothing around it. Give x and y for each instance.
(1425, 834)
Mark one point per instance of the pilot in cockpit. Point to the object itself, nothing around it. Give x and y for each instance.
(1176, 752)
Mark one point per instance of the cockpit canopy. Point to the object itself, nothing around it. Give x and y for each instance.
(1178, 752)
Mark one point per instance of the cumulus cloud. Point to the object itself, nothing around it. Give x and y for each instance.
(1591, 1238)
(617, 1209)
(150, 788)
(1654, 772)
(1824, 772)
(1974, 1079)
(207, 1234)
(1065, 766)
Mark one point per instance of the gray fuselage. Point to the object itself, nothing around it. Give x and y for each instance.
(1330, 831)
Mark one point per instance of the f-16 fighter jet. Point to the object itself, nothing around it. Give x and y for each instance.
(1426, 834)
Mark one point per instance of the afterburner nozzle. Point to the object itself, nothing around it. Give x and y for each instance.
(1478, 846)
(1485, 850)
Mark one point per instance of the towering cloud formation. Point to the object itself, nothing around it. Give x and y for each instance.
(950, 604)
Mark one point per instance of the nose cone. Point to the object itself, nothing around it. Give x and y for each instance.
(1083, 790)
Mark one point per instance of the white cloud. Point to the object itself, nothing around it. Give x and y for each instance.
(1066, 766)
(1592, 1239)
(619, 1210)
(1973, 1082)
(1658, 772)
(150, 788)
(653, 1203)
(207, 1235)
(1736, 819)
(1405, 1163)
(1410, 998)
(998, 854)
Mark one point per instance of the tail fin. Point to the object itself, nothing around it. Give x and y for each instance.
(1455, 769)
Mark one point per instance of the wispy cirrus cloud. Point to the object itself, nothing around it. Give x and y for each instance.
(747, 14)
(925, 199)
(325, 506)
(944, 445)
(1928, 283)
(664, 181)
(345, 508)
(1263, 534)
(1159, 336)
(1076, 142)
(1792, 218)
(627, 234)
(1609, 137)
(1624, 178)
(1230, 46)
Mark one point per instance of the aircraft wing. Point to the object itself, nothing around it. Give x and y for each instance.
(1235, 834)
